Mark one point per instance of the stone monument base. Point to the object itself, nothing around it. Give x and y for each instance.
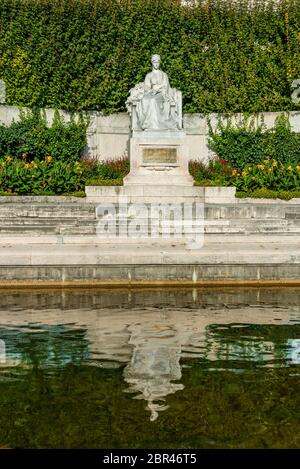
(158, 158)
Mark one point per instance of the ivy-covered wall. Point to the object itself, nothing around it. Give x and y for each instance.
(87, 54)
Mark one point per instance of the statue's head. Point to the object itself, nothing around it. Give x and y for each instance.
(155, 60)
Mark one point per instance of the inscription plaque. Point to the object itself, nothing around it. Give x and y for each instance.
(160, 155)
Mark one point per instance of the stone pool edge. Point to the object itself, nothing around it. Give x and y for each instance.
(176, 276)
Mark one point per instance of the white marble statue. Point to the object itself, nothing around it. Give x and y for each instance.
(153, 104)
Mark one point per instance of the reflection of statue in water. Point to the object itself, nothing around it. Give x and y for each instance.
(153, 366)
(153, 104)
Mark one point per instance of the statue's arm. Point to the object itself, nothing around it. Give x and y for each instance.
(164, 87)
(147, 83)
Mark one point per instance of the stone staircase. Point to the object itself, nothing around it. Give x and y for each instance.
(51, 220)
(36, 218)
(50, 239)
(271, 221)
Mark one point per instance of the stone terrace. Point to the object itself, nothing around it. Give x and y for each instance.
(53, 240)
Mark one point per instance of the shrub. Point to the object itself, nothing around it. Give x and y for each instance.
(66, 141)
(112, 169)
(31, 139)
(216, 173)
(246, 143)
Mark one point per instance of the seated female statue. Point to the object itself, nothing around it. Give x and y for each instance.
(156, 104)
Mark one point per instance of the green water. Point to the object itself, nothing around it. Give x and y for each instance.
(150, 369)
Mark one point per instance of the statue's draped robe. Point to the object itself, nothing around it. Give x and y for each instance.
(154, 109)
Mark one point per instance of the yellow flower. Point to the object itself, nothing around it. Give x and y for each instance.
(9, 158)
(244, 173)
(49, 158)
(298, 168)
(234, 172)
(290, 168)
(274, 164)
(270, 170)
(266, 161)
(26, 165)
(261, 166)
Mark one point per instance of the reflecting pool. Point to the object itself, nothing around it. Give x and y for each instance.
(193, 368)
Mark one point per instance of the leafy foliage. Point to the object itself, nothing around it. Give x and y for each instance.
(47, 177)
(51, 176)
(248, 143)
(269, 176)
(79, 54)
(264, 193)
(112, 169)
(216, 173)
(30, 138)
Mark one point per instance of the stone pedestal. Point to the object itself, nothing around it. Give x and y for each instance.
(158, 158)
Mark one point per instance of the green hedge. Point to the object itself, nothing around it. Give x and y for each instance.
(30, 138)
(87, 54)
(248, 143)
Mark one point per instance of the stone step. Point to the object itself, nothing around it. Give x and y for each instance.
(188, 226)
(35, 230)
(92, 239)
(32, 221)
(38, 230)
(212, 211)
(239, 222)
(251, 211)
(136, 254)
(79, 218)
(46, 212)
(251, 229)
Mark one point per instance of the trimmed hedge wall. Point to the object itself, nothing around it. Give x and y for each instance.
(87, 54)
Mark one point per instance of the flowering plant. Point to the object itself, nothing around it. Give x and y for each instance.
(270, 174)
